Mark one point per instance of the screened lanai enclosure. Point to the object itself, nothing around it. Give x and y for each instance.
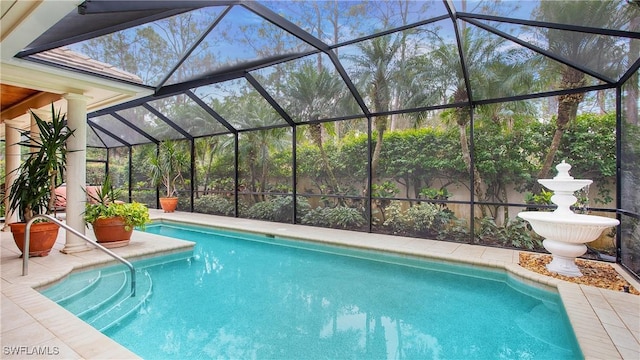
(430, 119)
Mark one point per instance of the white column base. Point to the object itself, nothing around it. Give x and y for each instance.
(564, 257)
(75, 246)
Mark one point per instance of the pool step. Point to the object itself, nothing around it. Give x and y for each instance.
(111, 288)
(118, 309)
(102, 298)
(76, 285)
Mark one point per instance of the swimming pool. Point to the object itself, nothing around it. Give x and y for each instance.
(248, 296)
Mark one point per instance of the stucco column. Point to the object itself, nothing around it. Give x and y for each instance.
(12, 162)
(76, 171)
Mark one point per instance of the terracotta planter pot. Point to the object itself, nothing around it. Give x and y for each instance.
(43, 237)
(169, 204)
(111, 232)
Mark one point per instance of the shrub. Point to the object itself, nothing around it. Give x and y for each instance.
(544, 198)
(214, 204)
(457, 230)
(284, 207)
(342, 217)
(424, 218)
(435, 194)
(317, 217)
(514, 233)
(345, 217)
(428, 217)
(396, 220)
(278, 209)
(264, 210)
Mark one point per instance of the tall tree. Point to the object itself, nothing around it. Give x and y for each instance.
(479, 51)
(377, 64)
(495, 70)
(397, 13)
(580, 48)
(207, 150)
(313, 92)
(257, 146)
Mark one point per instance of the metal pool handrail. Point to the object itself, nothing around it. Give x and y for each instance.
(27, 238)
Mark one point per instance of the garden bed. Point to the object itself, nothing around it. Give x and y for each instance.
(597, 274)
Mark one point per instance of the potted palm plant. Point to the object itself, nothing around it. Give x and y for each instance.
(33, 190)
(166, 170)
(113, 221)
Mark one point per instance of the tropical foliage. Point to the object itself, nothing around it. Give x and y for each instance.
(33, 189)
(105, 204)
(414, 154)
(167, 167)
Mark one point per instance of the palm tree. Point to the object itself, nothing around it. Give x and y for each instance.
(580, 48)
(313, 91)
(207, 150)
(257, 145)
(479, 52)
(501, 70)
(377, 73)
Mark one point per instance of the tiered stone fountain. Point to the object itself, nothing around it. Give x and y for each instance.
(566, 232)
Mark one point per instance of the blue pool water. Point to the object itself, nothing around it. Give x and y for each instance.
(246, 296)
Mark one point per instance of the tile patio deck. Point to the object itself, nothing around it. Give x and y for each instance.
(606, 323)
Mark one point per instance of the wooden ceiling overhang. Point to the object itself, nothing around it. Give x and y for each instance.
(16, 101)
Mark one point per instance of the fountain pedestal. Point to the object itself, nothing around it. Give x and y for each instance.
(565, 232)
(565, 265)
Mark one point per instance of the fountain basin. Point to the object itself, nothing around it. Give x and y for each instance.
(570, 228)
(565, 185)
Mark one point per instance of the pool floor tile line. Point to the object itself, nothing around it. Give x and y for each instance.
(606, 323)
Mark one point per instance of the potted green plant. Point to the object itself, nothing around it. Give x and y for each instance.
(166, 169)
(33, 190)
(113, 221)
